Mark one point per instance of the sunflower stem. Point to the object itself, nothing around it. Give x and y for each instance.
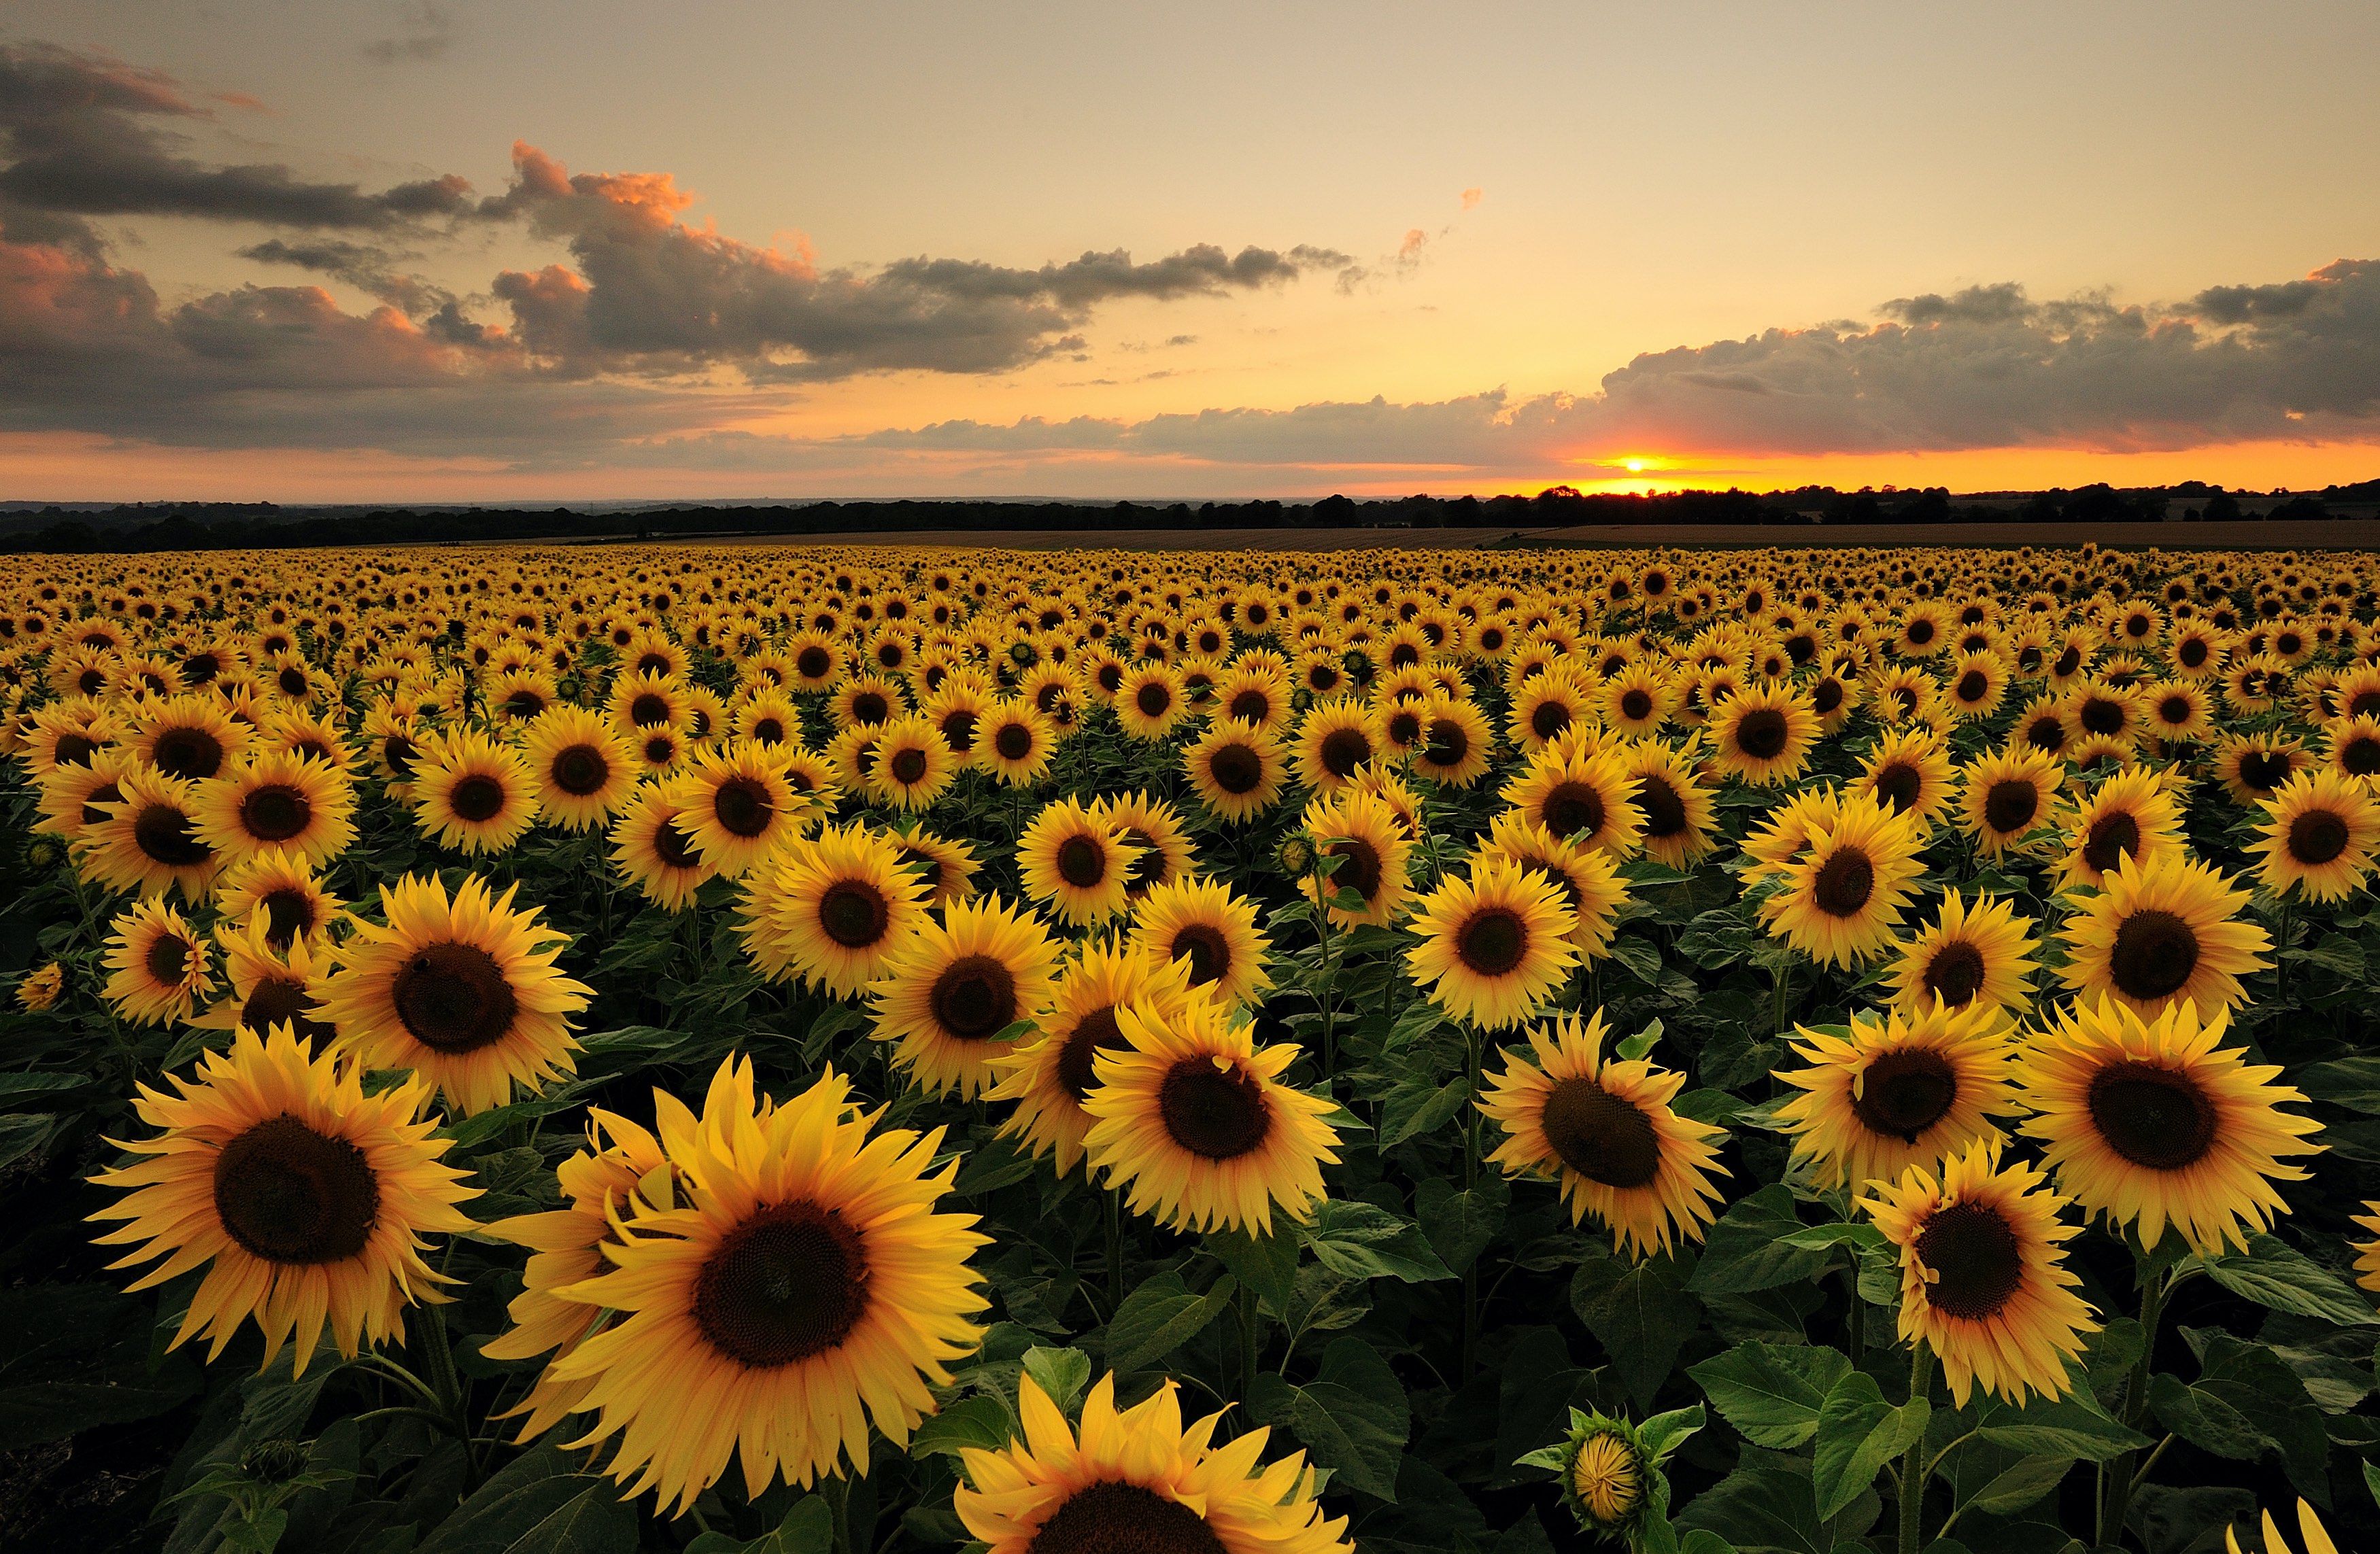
(2281, 957)
(1116, 1249)
(1913, 1462)
(1247, 1313)
(2119, 1478)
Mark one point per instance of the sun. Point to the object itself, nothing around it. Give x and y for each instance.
(1635, 466)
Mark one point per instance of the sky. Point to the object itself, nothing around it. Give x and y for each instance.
(385, 251)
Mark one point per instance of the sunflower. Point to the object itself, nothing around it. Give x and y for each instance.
(150, 841)
(1148, 702)
(74, 799)
(1909, 768)
(189, 737)
(2179, 710)
(281, 892)
(736, 807)
(2351, 745)
(652, 844)
(1980, 956)
(1673, 806)
(1494, 947)
(2319, 834)
(1016, 743)
(1456, 742)
(945, 998)
(1204, 923)
(1587, 798)
(1898, 1089)
(1373, 855)
(1984, 1281)
(834, 912)
(1336, 739)
(914, 763)
(1588, 880)
(566, 1245)
(157, 965)
(1155, 827)
(280, 802)
(1842, 899)
(1978, 682)
(2154, 1124)
(1048, 1077)
(803, 1290)
(1765, 735)
(2160, 933)
(2254, 767)
(2131, 815)
(269, 986)
(471, 793)
(582, 771)
(1237, 770)
(2043, 726)
(1192, 1121)
(1607, 1132)
(464, 993)
(946, 867)
(642, 702)
(1637, 700)
(2310, 1529)
(41, 987)
(1545, 705)
(305, 1199)
(1076, 862)
(1137, 1480)
(2003, 796)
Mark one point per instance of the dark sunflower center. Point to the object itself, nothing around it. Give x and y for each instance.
(1548, 719)
(2154, 954)
(1450, 743)
(1956, 973)
(975, 998)
(106, 793)
(289, 1194)
(1635, 705)
(1344, 750)
(2360, 755)
(675, 848)
(1904, 1093)
(649, 708)
(2316, 837)
(1220, 1113)
(1095, 1032)
(1974, 1253)
(1845, 882)
(1972, 686)
(771, 731)
(1251, 707)
(287, 913)
(1082, 862)
(1898, 782)
(2100, 714)
(1663, 807)
(580, 771)
(1601, 1137)
(1360, 870)
(2158, 1118)
(1210, 952)
(870, 707)
(1572, 808)
(2010, 804)
(1237, 770)
(1761, 733)
(788, 1283)
(812, 663)
(2194, 652)
(1153, 699)
(1827, 696)
(1404, 727)
(2112, 838)
(853, 914)
(454, 997)
(1014, 742)
(276, 812)
(1492, 943)
(164, 835)
(743, 806)
(908, 766)
(2263, 771)
(74, 749)
(2046, 733)
(188, 752)
(168, 960)
(476, 798)
(280, 1001)
(523, 704)
(1119, 1518)
(399, 751)
(2174, 711)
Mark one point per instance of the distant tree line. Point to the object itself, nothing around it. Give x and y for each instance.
(203, 527)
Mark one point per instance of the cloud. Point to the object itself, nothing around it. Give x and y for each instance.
(1470, 198)
(428, 33)
(86, 135)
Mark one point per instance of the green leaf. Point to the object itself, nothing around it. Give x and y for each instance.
(1745, 1250)
(1352, 1417)
(1461, 1225)
(2274, 1274)
(1267, 1264)
(1362, 1240)
(981, 1420)
(1772, 1391)
(1062, 1374)
(1631, 1048)
(2020, 1484)
(1641, 956)
(2247, 1401)
(14, 1085)
(76, 1356)
(1640, 1313)
(1412, 1107)
(1766, 1504)
(23, 1133)
(1162, 1315)
(1858, 1433)
(2069, 1428)
(538, 1504)
(809, 1528)
(2353, 1082)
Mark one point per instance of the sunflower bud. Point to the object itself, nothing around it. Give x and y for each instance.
(1606, 1478)
(274, 1462)
(1295, 855)
(43, 853)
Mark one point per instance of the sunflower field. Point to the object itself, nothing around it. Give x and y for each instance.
(863, 1051)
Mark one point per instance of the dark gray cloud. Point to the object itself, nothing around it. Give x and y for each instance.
(86, 135)
(426, 32)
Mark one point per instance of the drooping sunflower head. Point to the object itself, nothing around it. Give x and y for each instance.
(1984, 1281)
(462, 992)
(1192, 1121)
(2151, 1122)
(306, 1198)
(1892, 1091)
(1495, 945)
(1606, 1130)
(2163, 932)
(947, 998)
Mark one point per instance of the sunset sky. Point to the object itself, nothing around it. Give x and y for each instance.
(306, 250)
